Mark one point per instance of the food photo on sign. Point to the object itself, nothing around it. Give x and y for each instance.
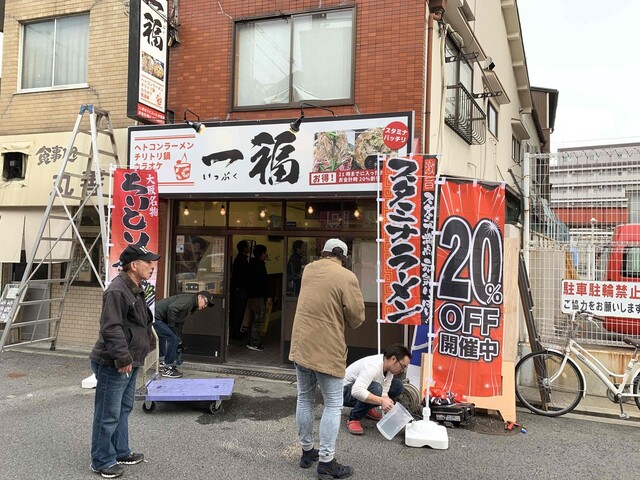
(348, 149)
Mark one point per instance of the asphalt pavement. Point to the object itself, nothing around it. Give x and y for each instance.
(45, 433)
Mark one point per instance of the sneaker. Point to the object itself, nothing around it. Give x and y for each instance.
(171, 372)
(131, 459)
(114, 471)
(355, 427)
(374, 414)
(308, 457)
(332, 469)
(258, 348)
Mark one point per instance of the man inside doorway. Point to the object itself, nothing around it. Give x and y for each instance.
(295, 265)
(239, 284)
(258, 297)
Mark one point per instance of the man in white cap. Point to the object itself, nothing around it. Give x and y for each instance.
(330, 297)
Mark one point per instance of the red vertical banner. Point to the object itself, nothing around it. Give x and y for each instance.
(468, 314)
(134, 218)
(408, 223)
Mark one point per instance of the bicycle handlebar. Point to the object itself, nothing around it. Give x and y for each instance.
(589, 315)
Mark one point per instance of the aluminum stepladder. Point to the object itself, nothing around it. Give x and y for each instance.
(77, 185)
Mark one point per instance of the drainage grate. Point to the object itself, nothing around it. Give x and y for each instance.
(271, 375)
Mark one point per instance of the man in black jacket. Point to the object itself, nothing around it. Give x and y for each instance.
(123, 344)
(239, 282)
(258, 298)
(170, 314)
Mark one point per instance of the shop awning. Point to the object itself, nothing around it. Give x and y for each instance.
(11, 234)
(18, 230)
(56, 227)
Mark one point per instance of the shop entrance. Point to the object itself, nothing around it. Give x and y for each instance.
(204, 246)
(240, 314)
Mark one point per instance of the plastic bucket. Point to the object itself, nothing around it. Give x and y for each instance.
(394, 421)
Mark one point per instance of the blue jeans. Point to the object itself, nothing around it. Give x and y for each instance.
(331, 389)
(360, 408)
(115, 394)
(168, 342)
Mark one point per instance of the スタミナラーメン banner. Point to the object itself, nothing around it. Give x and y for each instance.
(468, 313)
(134, 218)
(408, 223)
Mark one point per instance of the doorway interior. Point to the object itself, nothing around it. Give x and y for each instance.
(237, 351)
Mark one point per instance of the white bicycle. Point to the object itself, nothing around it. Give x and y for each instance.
(551, 383)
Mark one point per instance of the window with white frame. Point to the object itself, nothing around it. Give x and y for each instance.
(55, 53)
(291, 59)
(515, 148)
(492, 119)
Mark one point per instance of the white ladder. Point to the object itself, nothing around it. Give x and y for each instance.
(37, 301)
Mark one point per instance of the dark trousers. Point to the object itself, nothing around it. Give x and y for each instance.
(236, 314)
(360, 408)
(168, 341)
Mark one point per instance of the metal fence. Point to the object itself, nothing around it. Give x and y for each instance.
(580, 207)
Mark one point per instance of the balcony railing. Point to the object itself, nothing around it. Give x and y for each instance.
(464, 115)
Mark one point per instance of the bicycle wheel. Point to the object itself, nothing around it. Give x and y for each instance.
(535, 389)
(635, 389)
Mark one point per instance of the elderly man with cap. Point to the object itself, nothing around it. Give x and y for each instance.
(329, 299)
(170, 314)
(123, 344)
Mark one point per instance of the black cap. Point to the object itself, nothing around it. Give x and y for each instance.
(134, 252)
(208, 296)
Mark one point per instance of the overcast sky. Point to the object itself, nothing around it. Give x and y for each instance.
(588, 51)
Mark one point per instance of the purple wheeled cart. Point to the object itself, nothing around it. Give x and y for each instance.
(212, 390)
(158, 389)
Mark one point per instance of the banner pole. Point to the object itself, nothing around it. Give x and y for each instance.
(381, 158)
(430, 333)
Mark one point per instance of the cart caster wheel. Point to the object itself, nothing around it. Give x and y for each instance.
(215, 407)
(148, 407)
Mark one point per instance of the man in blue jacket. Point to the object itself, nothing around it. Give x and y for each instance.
(123, 343)
(170, 314)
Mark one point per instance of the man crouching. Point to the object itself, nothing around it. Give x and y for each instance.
(370, 383)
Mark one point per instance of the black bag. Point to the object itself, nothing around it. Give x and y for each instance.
(458, 414)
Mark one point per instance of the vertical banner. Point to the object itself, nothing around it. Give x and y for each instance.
(134, 218)
(468, 314)
(148, 55)
(408, 223)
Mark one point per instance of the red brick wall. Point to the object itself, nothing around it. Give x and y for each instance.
(389, 69)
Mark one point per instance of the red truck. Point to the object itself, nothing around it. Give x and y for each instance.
(624, 266)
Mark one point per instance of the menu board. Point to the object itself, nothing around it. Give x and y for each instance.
(9, 294)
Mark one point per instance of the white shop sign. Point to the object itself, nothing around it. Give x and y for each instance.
(328, 154)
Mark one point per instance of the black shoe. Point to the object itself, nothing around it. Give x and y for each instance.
(332, 469)
(171, 372)
(308, 457)
(131, 459)
(114, 471)
(258, 348)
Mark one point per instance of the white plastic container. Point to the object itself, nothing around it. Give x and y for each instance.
(394, 421)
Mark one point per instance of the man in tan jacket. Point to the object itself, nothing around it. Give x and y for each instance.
(330, 297)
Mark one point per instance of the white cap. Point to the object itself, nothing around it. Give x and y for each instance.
(335, 243)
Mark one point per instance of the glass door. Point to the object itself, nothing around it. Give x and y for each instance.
(199, 264)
